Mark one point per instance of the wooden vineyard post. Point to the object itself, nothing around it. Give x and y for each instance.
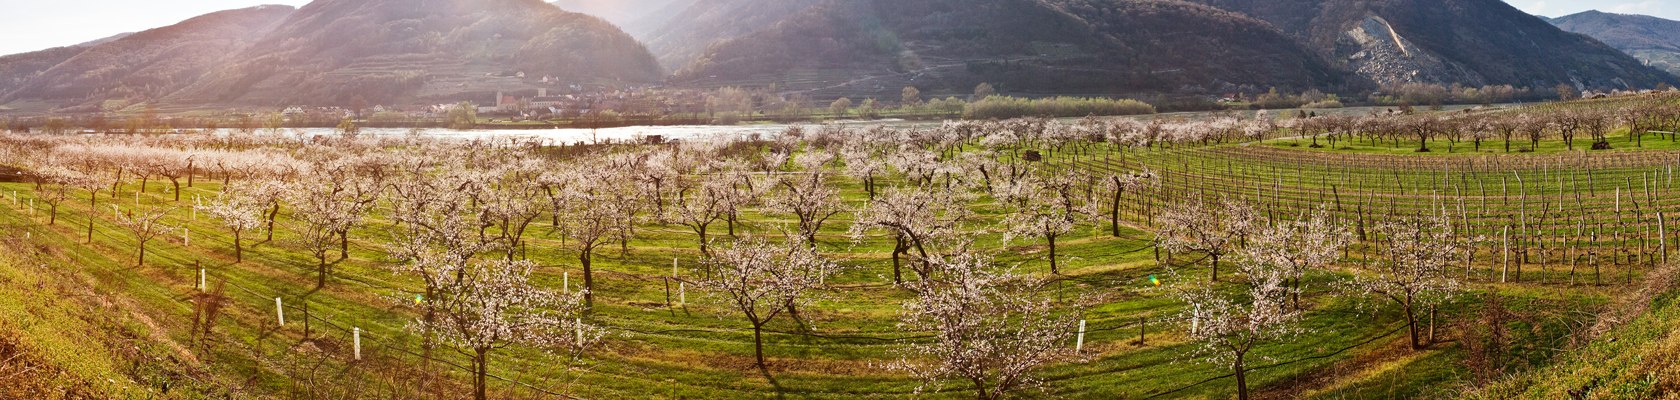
(279, 312)
(1597, 276)
(1079, 343)
(1574, 258)
(1504, 272)
(1143, 328)
(356, 342)
(668, 292)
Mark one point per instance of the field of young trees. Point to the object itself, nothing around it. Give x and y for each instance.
(1262, 256)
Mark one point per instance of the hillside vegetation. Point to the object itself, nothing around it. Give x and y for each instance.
(146, 65)
(1631, 352)
(1023, 46)
(390, 51)
(1470, 42)
(1653, 40)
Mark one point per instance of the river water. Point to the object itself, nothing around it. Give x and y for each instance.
(692, 132)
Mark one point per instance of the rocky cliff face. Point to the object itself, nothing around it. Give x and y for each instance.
(1471, 42)
(1379, 53)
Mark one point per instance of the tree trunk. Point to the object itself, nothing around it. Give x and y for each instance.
(1242, 378)
(758, 343)
(704, 248)
(91, 212)
(272, 214)
(321, 272)
(344, 244)
(238, 251)
(1114, 213)
(482, 359)
(1215, 268)
(141, 260)
(899, 248)
(1411, 325)
(588, 278)
(1053, 269)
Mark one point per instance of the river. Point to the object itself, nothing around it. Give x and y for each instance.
(690, 132)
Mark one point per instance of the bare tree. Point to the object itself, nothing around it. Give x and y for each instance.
(920, 218)
(1039, 210)
(317, 218)
(53, 187)
(1305, 244)
(701, 202)
(1417, 253)
(514, 198)
(1214, 230)
(1118, 184)
(589, 214)
(1226, 326)
(239, 213)
(808, 197)
(436, 236)
(761, 281)
(494, 305)
(991, 328)
(145, 225)
(863, 163)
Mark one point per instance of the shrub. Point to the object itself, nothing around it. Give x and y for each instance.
(1323, 104)
(1003, 107)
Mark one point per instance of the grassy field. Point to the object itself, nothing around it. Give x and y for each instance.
(1620, 142)
(1355, 347)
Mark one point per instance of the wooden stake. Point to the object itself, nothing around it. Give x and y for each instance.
(1079, 344)
(356, 342)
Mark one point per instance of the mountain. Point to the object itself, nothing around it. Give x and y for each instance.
(1471, 42)
(16, 69)
(341, 52)
(144, 65)
(1094, 47)
(628, 15)
(1655, 41)
(683, 31)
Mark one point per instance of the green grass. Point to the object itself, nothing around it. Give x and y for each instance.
(1638, 360)
(703, 350)
(1619, 141)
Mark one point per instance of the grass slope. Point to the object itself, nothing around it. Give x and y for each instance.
(1635, 356)
(703, 350)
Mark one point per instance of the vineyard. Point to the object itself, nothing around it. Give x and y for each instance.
(1264, 257)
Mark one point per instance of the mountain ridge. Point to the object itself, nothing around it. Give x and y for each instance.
(148, 64)
(1470, 42)
(422, 50)
(1656, 41)
(1024, 46)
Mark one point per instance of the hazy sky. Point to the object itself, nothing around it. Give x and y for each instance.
(1556, 8)
(28, 25)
